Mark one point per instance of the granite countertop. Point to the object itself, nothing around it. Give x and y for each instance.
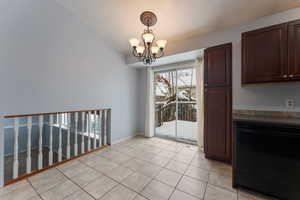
(289, 118)
(267, 119)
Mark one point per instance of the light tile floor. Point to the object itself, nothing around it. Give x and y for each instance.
(137, 169)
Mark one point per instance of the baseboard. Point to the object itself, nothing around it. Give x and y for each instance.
(140, 133)
(123, 139)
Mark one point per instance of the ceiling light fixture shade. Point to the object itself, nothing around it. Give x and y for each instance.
(140, 49)
(148, 53)
(161, 43)
(148, 37)
(134, 42)
(154, 50)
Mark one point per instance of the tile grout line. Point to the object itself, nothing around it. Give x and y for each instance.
(206, 187)
(73, 183)
(138, 193)
(35, 189)
(176, 185)
(192, 178)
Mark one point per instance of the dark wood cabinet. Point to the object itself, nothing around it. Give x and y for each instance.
(217, 123)
(217, 64)
(217, 102)
(271, 54)
(294, 50)
(264, 54)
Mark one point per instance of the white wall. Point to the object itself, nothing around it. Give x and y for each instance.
(51, 61)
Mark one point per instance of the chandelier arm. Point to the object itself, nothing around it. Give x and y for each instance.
(162, 53)
(135, 54)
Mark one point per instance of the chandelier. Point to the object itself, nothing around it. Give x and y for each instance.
(148, 52)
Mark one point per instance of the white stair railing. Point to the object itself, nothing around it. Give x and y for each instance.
(16, 149)
(89, 130)
(40, 159)
(50, 139)
(96, 134)
(95, 131)
(82, 132)
(29, 128)
(68, 135)
(76, 134)
(60, 138)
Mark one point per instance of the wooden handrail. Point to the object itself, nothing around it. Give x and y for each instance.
(51, 113)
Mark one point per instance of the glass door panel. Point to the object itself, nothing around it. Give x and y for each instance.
(165, 104)
(186, 104)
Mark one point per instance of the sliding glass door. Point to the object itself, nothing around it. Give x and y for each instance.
(175, 104)
(165, 104)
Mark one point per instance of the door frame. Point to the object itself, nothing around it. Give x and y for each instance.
(167, 68)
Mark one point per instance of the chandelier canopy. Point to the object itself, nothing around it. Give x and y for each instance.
(148, 51)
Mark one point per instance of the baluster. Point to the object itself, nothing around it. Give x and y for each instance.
(95, 123)
(82, 135)
(108, 121)
(59, 139)
(103, 127)
(98, 128)
(40, 157)
(51, 140)
(89, 130)
(68, 134)
(76, 143)
(29, 128)
(1, 152)
(101, 134)
(16, 149)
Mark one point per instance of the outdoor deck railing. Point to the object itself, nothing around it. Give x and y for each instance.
(61, 136)
(186, 111)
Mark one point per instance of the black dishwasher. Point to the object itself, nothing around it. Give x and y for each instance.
(267, 158)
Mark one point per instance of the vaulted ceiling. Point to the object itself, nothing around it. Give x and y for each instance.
(118, 20)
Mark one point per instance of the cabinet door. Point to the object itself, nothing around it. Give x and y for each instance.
(294, 50)
(217, 66)
(264, 55)
(217, 123)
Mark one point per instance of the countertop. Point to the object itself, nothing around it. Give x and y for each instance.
(266, 119)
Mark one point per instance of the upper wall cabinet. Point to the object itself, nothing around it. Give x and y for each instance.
(294, 50)
(270, 54)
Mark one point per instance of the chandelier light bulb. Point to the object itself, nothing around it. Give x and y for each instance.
(161, 43)
(134, 42)
(148, 37)
(140, 49)
(154, 50)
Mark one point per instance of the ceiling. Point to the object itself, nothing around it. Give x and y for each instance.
(118, 20)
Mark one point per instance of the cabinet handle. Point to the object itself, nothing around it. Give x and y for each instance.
(291, 76)
(285, 76)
